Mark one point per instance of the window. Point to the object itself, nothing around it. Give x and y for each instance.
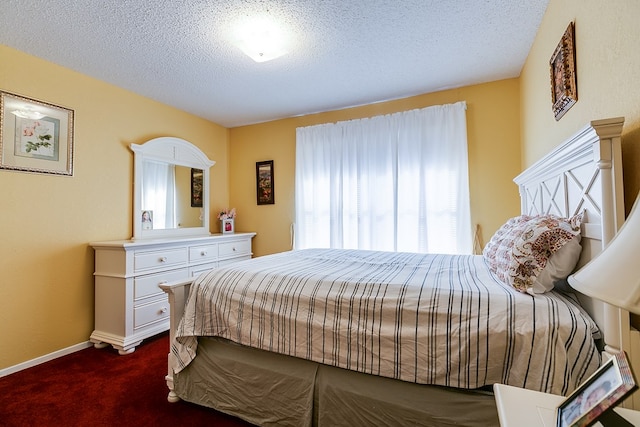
(395, 183)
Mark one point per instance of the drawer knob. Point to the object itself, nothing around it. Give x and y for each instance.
(234, 249)
(163, 310)
(163, 259)
(203, 253)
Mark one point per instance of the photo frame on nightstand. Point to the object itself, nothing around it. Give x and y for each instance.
(595, 399)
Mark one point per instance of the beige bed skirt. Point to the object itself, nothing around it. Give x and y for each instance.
(269, 389)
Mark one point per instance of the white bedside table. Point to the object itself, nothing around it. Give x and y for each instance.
(519, 407)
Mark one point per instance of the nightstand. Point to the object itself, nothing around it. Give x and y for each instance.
(519, 407)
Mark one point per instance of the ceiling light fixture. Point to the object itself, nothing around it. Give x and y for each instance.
(261, 39)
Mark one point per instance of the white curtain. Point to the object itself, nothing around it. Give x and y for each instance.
(158, 193)
(396, 183)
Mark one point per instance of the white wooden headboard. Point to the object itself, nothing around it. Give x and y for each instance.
(585, 173)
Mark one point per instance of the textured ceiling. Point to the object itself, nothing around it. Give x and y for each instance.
(343, 53)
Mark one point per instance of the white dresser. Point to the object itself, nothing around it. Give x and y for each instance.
(129, 305)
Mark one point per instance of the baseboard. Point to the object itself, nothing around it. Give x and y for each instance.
(42, 359)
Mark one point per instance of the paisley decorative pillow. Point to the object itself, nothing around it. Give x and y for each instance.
(522, 248)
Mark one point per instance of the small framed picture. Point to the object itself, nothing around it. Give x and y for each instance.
(595, 399)
(264, 183)
(227, 226)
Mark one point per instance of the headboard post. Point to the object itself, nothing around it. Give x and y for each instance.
(609, 161)
(608, 158)
(585, 174)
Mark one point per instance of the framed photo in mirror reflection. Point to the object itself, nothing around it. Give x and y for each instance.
(196, 187)
(147, 220)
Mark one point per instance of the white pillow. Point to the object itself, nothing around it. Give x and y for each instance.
(559, 266)
(522, 248)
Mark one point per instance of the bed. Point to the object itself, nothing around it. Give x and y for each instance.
(328, 337)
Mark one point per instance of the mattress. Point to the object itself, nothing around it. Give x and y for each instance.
(421, 318)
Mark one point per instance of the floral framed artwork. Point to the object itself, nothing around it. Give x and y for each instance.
(564, 89)
(595, 399)
(35, 136)
(265, 183)
(197, 187)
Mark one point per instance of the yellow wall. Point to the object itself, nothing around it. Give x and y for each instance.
(608, 66)
(46, 222)
(493, 127)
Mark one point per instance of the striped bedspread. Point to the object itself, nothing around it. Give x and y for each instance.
(430, 319)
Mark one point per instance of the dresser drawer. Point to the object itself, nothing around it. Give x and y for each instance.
(229, 261)
(156, 259)
(145, 286)
(203, 253)
(196, 270)
(241, 247)
(149, 313)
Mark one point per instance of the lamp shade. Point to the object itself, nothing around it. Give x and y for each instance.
(613, 276)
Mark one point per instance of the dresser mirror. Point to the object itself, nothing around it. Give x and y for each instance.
(171, 189)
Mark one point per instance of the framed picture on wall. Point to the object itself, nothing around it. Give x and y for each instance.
(35, 136)
(264, 182)
(197, 176)
(564, 89)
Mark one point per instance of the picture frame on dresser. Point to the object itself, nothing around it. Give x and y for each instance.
(35, 136)
(227, 226)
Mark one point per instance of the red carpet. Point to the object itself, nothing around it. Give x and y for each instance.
(97, 387)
